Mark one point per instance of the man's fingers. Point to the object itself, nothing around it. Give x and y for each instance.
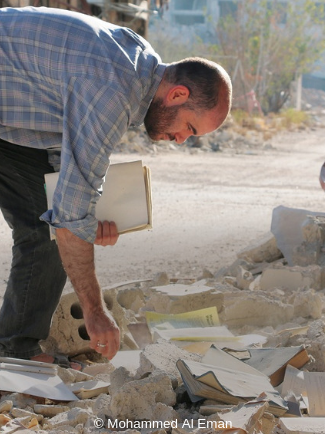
(107, 234)
(106, 344)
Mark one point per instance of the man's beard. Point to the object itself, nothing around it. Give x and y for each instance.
(159, 119)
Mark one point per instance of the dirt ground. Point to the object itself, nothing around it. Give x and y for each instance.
(207, 206)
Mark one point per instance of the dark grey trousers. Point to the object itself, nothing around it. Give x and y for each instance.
(37, 278)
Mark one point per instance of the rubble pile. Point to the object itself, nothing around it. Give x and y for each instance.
(272, 296)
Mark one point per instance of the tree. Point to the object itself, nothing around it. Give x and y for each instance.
(273, 42)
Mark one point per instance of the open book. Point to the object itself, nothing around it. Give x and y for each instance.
(272, 361)
(228, 380)
(126, 196)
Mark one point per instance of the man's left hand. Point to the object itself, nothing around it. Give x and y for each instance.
(107, 234)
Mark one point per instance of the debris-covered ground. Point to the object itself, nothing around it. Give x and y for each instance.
(211, 202)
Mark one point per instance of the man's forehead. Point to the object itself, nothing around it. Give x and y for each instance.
(206, 122)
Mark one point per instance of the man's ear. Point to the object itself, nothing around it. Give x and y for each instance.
(177, 95)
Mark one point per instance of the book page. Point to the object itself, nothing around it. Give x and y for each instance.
(293, 382)
(207, 317)
(126, 196)
(315, 386)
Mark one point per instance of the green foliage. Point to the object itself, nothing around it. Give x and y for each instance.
(273, 42)
(291, 117)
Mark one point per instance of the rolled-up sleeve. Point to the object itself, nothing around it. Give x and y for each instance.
(95, 116)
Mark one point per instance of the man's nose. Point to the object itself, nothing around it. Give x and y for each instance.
(181, 137)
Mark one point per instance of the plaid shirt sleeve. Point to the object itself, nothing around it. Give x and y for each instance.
(95, 116)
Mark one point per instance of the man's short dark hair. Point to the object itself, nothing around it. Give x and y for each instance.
(202, 77)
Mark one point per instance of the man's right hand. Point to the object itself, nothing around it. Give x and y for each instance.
(103, 332)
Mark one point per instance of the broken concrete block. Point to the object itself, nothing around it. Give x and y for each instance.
(262, 250)
(136, 400)
(20, 400)
(19, 412)
(65, 429)
(287, 227)
(164, 412)
(292, 277)
(255, 285)
(131, 298)
(163, 356)
(307, 304)
(244, 278)
(68, 330)
(161, 279)
(50, 410)
(6, 406)
(179, 298)
(311, 250)
(119, 377)
(255, 309)
(69, 418)
(101, 407)
(235, 267)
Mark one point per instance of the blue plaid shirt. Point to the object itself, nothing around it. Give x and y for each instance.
(76, 83)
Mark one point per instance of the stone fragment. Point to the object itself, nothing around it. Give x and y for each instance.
(311, 250)
(66, 429)
(179, 298)
(69, 418)
(314, 340)
(244, 278)
(163, 356)
(264, 249)
(6, 406)
(136, 400)
(131, 298)
(119, 377)
(307, 304)
(256, 309)
(161, 279)
(101, 407)
(20, 400)
(292, 277)
(235, 267)
(298, 242)
(4, 419)
(47, 410)
(18, 412)
(98, 368)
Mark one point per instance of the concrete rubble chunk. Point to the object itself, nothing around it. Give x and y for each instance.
(69, 418)
(179, 298)
(237, 265)
(307, 304)
(101, 406)
(299, 235)
(256, 309)
(66, 429)
(244, 278)
(20, 400)
(119, 377)
(136, 400)
(292, 278)
(6, 406)
(49, 410)
(264, 249)
(18, 412)
(163, 356)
